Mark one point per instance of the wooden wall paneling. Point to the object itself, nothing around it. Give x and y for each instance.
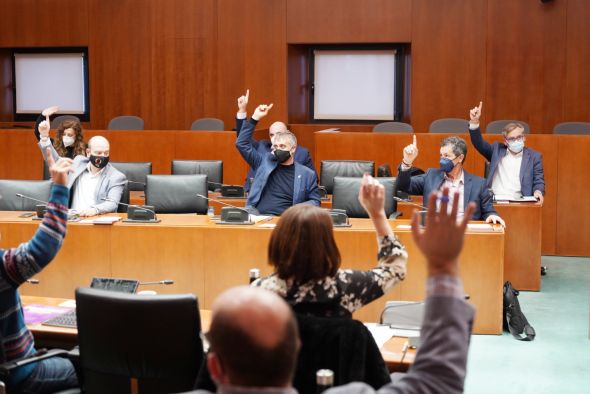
(212, 145)
(183, 75)
(121, 47)
(44, 23)
(298, 83)
(448, 59)
(6, 86)
(525, 62)
(577, 78)
(21, 157)
(348, 21)
(252, 54)
(573, 209)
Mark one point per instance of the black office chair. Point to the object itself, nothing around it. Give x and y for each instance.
(126, 122)
(393, 127)
(177, 193)
(449, 125)
(346, 191)
(497, 126)
(348, 168)
(136, 173)
(576, 128)
(39, 190)
(152, 341)
(208, 124)
(212, 168)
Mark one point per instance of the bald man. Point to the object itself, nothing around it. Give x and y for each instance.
(254, 342)
(95, 185)
(301, 155)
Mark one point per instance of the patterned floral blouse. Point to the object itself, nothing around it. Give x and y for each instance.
(348, 290)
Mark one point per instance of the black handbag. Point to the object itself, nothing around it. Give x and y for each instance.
(514, 320)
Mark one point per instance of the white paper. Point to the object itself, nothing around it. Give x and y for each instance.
(381, 333)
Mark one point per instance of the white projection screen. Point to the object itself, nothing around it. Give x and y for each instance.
(354, 84)
(46, 79)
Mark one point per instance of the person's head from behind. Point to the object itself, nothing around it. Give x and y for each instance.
(275, 128)
(283, 147)
(98, 151)
(453, 151)
(69, 133)
(514, 136)
(253, 337)
(302, 246)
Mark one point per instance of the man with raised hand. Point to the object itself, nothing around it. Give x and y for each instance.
(441, 362)
(515, 170)
(16, 266)
(450, 174)
(96, 185)
(301, 155)
(279, 181)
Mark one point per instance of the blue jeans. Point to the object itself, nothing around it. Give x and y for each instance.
(50, 375)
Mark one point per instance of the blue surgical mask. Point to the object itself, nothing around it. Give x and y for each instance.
(516, 146)
(446, 165)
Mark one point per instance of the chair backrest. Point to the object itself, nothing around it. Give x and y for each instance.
(56, 122)
(177, 193)
(126, 122)
(212, 168)
(136, 173)
(349, 168)
(393, 127)
(346, 191)
(36, 189)
(343, 345)
(208, 124)
(497, 126)
(449, 125)
(154, 339)
(572, 128)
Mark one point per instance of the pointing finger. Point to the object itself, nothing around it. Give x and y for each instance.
(269, 107)
(247, 93)
(414, 141)
(480, 105)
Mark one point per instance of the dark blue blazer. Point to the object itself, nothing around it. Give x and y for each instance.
(301, 156)
(474, 189)
(532, 177)
(305, 189)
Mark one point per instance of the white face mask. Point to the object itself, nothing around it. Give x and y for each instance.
(68, 140)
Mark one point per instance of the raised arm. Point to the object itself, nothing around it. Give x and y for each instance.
(244, 141)
(481, 145)
(21, 263)
(404, 181)
(47, 112)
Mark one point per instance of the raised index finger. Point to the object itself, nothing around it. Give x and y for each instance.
(247, 93)
(414, 141)
(480, 105)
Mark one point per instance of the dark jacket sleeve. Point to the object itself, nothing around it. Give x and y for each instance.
(245, 145)
(486, 205)
(538, 174)
(40, 119)
(410, 184)
(481, 145)
(308, 162)
(312, 192)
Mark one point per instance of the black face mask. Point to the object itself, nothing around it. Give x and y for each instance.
(282, 155)
(99, 162)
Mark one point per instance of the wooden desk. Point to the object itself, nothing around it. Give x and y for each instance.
(204, 258)
(67, 338)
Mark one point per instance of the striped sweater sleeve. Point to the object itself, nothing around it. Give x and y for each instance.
(29, 258)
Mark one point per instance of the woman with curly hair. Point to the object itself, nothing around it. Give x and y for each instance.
(69, 141)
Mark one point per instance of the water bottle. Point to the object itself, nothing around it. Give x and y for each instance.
(324, 380)
(211, 211)
(254, 274)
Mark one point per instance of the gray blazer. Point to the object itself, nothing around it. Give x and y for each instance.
(110, 185)
(441, 362)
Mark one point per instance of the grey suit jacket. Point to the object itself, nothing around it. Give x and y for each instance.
(110, 185)
(440, 365)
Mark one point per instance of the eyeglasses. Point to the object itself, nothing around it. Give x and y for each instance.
(514, 139)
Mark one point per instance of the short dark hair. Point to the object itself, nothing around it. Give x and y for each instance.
(302, 245)
(511, 126)
(249, 363)
(458, 145)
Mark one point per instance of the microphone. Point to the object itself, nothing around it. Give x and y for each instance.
(135, 211)
(158, 282)
(229, 190)
(31, 198)
(33, 281)
(231, 214)
(136, 183)
(40, 209)
(410, 203)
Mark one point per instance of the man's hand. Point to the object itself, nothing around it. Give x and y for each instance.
(475, 114)
(261, 111)
(243, 101)
(496, 220)
(47, 112)
(411, 152)
(88, 212)
(59, 170)
(44, 129)
(441, 240)
(372, 196)
(539, 196)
